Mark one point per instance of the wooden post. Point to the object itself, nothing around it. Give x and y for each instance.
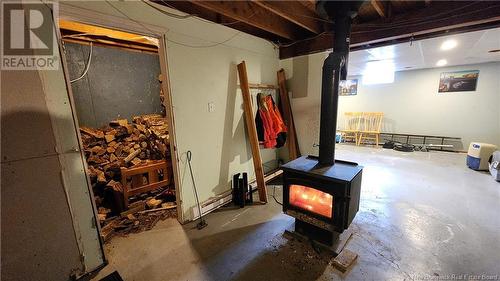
(252, 131)
(293, 146)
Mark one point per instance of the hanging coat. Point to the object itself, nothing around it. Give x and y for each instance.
(271, 129)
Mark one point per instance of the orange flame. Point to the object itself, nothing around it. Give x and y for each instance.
(311, 199)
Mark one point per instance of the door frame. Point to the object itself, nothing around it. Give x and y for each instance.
(77, 14)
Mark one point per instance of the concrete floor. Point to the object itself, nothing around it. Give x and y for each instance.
(422, 216)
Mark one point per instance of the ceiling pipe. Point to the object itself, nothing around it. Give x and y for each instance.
(334, 70)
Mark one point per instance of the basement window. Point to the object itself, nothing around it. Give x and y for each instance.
(379, 72)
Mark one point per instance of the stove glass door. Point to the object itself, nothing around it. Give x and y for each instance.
(312, 200)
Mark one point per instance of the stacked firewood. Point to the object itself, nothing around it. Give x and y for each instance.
(122, 144)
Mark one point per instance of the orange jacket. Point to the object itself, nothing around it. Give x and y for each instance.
(272, 121)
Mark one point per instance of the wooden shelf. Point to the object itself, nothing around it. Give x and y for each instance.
(261, 86)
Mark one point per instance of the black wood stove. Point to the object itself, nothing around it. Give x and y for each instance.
(323, 199)
(321, 193)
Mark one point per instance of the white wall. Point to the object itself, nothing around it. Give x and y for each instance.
(38, 235)
(304, 86)
(411, 104)
(198, 76)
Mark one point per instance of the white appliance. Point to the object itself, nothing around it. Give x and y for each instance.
(479, 155)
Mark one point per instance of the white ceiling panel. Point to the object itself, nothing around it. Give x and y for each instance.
(471, 48)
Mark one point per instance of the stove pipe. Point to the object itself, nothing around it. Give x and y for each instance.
(334, 70)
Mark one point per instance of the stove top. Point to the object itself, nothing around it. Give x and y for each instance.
(342, 171)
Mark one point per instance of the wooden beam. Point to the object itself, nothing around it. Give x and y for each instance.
(112, 44)
(439, 18)
(379, 7)
(293, 146)
(200, 12)
(254, 15)
(81, 28)
(294, 12)
(252, 132)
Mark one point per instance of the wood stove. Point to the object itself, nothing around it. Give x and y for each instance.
(321, 193)
(322, 199)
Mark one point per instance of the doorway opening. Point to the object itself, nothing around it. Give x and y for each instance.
(121, 104)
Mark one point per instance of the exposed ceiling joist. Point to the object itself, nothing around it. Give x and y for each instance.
(379, 7)
(254, 15)
(214, 17)
(294, 12)
(437, 19)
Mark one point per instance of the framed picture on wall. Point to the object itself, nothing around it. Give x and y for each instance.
(458, 81)
(348, 87)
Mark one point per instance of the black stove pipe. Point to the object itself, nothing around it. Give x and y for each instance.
(334, 70)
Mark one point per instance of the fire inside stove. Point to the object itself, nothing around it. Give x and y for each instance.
(311, 199)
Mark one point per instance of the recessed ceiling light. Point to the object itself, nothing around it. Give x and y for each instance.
(448, 45)
(442, 62)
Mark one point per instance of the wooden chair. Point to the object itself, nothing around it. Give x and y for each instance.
(144, 178)
(352, 122)
(370, 128)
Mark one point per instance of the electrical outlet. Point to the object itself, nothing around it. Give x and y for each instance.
(211, 107)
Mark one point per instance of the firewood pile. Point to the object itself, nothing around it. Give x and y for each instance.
(134, 221)
(124, 144)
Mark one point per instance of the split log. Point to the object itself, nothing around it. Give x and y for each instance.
(101, 178)
(116, 186)
(101, 217)
(132, 155)
(95, 133)
(119, 122)
(157, 209)
(153, 203)
(108, 230)
(109, 137)
(136, 161)
(133, 210)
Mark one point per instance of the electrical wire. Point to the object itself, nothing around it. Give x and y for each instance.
(205, 46)
(302, 40)
(274, 196)
(425, 22)
(186, 16)
(86, 67)
(438, 15)
(197, 17)
(125, 15)
(408, 24)
(170, 40)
